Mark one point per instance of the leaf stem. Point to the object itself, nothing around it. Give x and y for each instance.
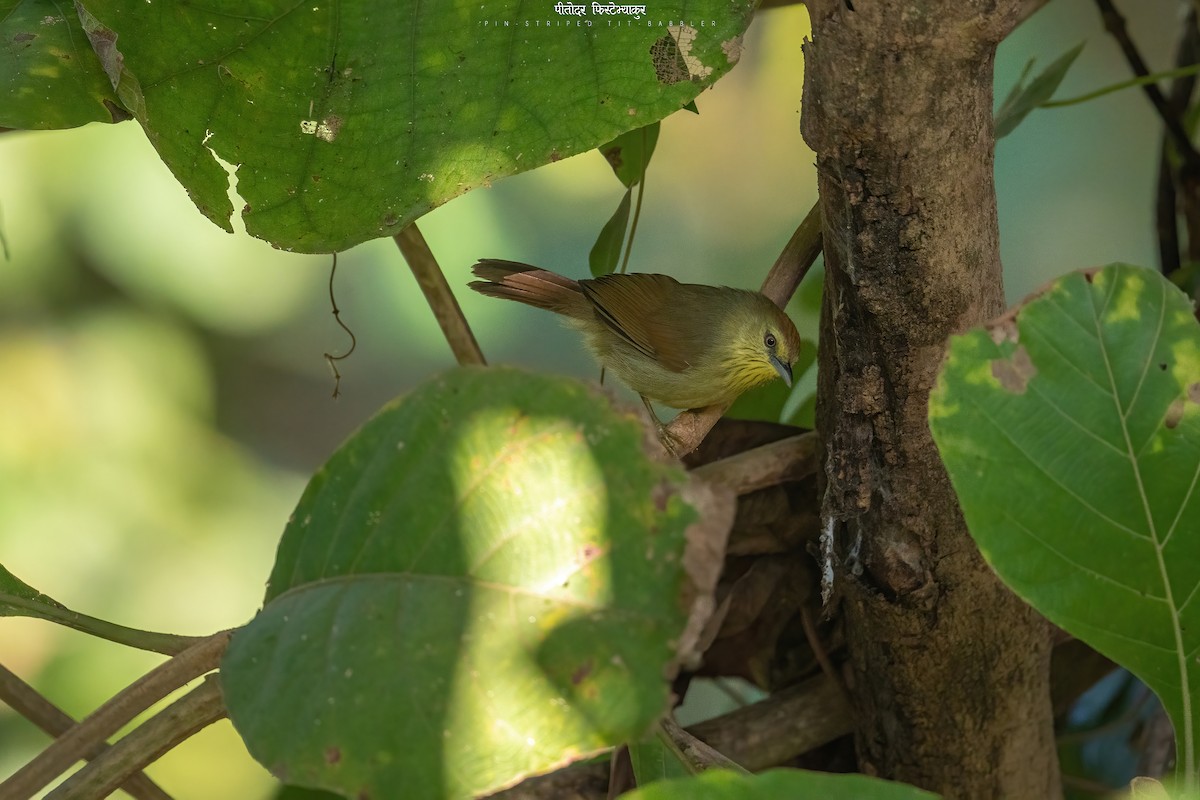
(637, 211)
(1144, 80)
(168, 644)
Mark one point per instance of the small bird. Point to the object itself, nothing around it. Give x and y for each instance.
(681, 344)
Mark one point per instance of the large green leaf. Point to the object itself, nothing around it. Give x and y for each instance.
(490, 579)
(1071, 431)
(49, 74)
(349, 119)
(778, 784)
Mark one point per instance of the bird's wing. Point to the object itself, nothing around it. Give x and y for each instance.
(637, 308)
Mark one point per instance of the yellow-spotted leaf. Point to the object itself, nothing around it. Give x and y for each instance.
(1070, 428)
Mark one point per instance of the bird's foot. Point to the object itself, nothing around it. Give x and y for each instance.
(665, 438)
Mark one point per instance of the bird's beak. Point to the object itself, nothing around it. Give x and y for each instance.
(783, 369)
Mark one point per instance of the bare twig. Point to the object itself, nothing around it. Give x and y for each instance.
(689, 428)
(818, 648)
(194, 711)
(110, 717)
(330, 358)
(788, 459)
(1114, 23)
(1185, 186)
(797, 258)
(26, 701)
(437, 293)
(698, 755)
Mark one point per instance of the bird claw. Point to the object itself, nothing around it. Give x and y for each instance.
(665, 437)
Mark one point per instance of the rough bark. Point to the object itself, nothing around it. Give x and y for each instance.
(948, 671)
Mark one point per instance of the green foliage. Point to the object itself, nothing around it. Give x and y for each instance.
(1024, 98)
(606, 252)
(777, 784)
(50, 75)
(487, 581)
(347, 121)
(1071, 431)
(628, 155)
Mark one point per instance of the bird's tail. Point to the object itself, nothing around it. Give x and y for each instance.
(526, 284)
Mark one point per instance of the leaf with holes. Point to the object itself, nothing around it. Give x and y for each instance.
(348, 120)
(1071, 431)
(50, 75)
(489, 580)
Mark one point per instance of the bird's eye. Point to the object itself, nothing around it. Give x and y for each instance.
(769, 340)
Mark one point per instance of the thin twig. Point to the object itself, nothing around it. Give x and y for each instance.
(29, 703)
(437, 293)
(797, 258)
(818, 649)
(689, 428)
(110, 717)
(330, 358)
(1184, 187)
(770, 464)
(696, 755)
(1114, 23)
(193, 712)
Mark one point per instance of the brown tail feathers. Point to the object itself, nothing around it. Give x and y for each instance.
(526, 284)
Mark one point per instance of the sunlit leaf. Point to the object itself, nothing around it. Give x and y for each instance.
(349, 120)
(1071, 431)
(487, 581)
(778, 784)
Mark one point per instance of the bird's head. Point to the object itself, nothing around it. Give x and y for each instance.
(763, 344)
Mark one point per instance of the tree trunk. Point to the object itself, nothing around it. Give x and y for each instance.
(948, 671)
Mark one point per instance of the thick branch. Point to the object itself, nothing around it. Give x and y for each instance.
(948, 671)
(785, 460)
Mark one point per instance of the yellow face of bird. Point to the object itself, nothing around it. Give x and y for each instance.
(763, 346)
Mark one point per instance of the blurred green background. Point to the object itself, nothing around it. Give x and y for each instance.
(164, 396)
